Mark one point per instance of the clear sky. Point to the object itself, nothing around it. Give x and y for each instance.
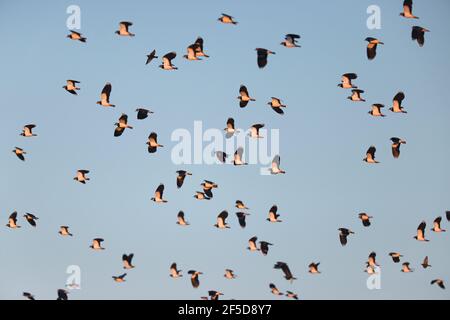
(323, 138)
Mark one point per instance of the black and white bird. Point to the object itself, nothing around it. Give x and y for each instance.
(229, 274)
(28, 295)
(230, 130)
(227, 19)
(19, 152)
(365, 218)
(195, 281)
(343, 234)
(71, 86)
(97, 244)
(31, 219)
(240, 205)
(152, 143)
(372, 260)
(124, 29)
(158, 198)
(439, 282)
(221, 156)
(167, 61)
(356, 95)
(121, 125)
(314, 268)
(214, 295)
(127, 261)
(192, 52)
(174, 272)
(273, 215)
(244, 96)
(292, 295)
(254, 131)
(262, 55)
(201, 196)
(395, 256)
(421, 232)
(276, 105)
(274, 290)
(406, 268)
(27, 131)
(418, 34)
(372, 47)
(397, 103)
(238, 157)
(425, 263)
(285, 268)
(376, 110)
(12, 221)
(81, 176)
(346, 81)
(207, 187)
(152, 55)
(76, 36)
(275, 168)
(120, 278)
(62, 294)
(105, 95)
(264, 247)
(396, 143)
(252, 244)
(437, 225)
(181, 175)
(142, 113)
(180, 219)
(407, 10)
(370, 155)
(199, 48)
(64, 231)
(221, 220)
(241, 218)
(290, 40)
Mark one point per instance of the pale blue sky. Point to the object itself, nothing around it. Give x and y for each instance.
(323, 140)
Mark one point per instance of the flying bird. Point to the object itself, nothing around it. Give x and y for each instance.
(241, 218)
(376, 110)
(274, 290)
(76, 36)
(120, 278)
(127, 261)
(201, 196)
(192, 52)
(425, 263)
(227, 19)
(372, 47)
(252, 244)
(439, 282)
(264, 247)
(276, 105)
(181, 221)
(372, 260)
(121, 125)
(397, 103)
(396, 143)
(314, 268)
(262, 55)
(365, 218)
(19, 152)
(152, 55)
(97, 244)
(240, 205)
(221, 220)
(290, 41)
(356, 95)
(407, 10)
(406, 268)
(123, 29)
(346, 81)
(237, 159)
(275, 169)
(28, 295)
(421, 232)
(273, 215)
(285, 268)
(71, 86)
(230, 129)
(12, 221)
(27, 131)
(31, 219)
(221, 156)
(292, 295)
(199, 48)
(214, 295)
(181, 176)
(64, 231)
(152, 143)
(104, 96)
(418, 34)
(143, 113)
(244, 96)
(395, 256)
(195, 281)
(229, 274)
(167, 61)
(254, 131)
(62, 294)
(174, 272)
(81, 176)
(208, 186)
(437, 225)
(370, 155)
(159, 194)
(343, 234)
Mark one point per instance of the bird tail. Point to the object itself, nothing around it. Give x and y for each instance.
(83, 39)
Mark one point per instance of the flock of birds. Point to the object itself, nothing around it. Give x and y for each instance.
(195, 51)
